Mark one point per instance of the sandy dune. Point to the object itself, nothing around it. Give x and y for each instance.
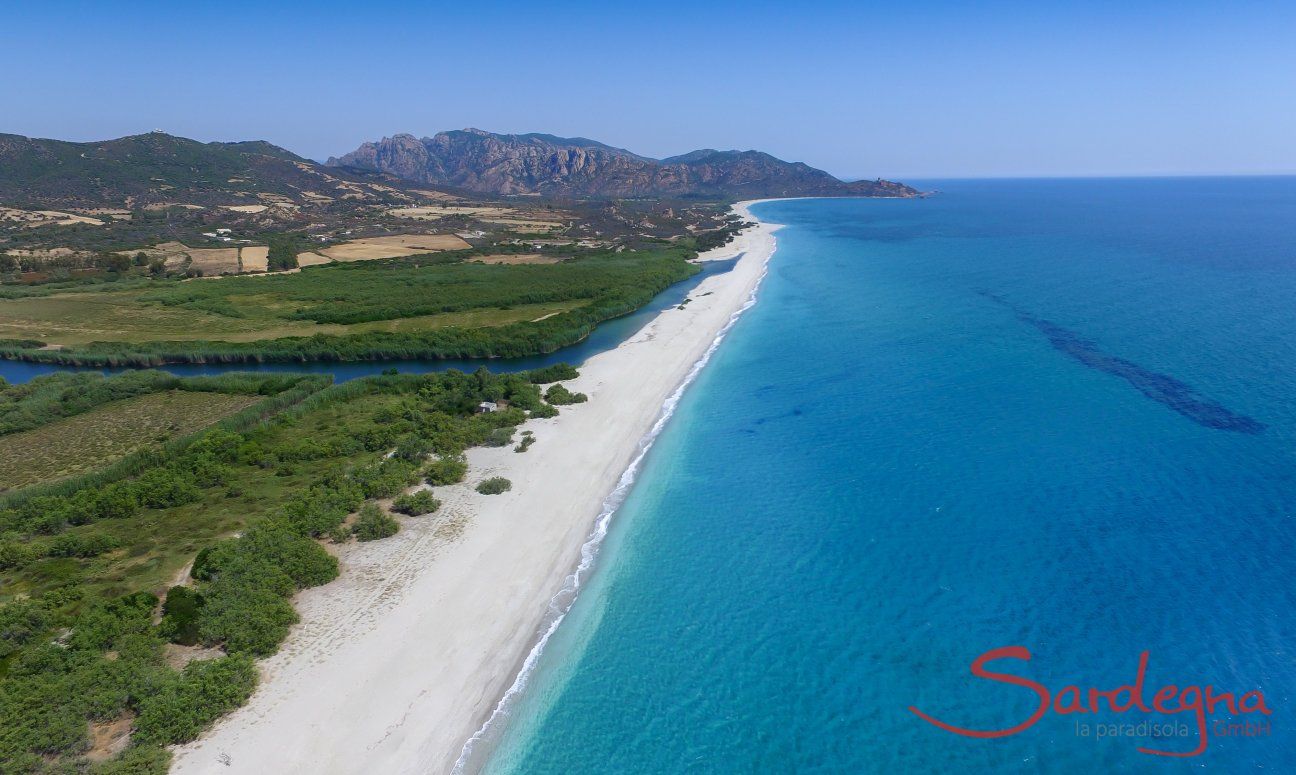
(396, 664)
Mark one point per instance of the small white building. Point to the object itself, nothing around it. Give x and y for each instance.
(487, 406)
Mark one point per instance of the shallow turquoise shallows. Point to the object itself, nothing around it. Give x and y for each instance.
(1059, 415)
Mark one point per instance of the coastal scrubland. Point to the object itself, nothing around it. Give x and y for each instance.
(134, 598)
(87, 441)
(441, 305)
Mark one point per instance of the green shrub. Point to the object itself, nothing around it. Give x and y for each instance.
(528, 438)
(544, 411)
(559, 395)
(136, 760)
(183, 706)
(251, 578)
(413, 449)
(163, 488)
(416, 504)
(372, 524)
(104, 621)
(15, 555)
(20, 622)
(447, 470)
(180, 616)
(81, 545)
(494, 486)
(386, 478)
(499, 437)
(554, 373)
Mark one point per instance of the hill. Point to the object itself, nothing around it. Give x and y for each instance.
(490, 163)
(157, 169)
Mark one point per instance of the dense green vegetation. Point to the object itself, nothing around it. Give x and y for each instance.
(605, 283)
(82, 564)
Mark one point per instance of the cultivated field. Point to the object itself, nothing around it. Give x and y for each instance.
(215, 261)
(254, 259)
(393, 247)
(312, 259)
(526, 221)
(91, 440)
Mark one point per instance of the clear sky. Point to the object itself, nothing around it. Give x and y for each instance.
(902, 89)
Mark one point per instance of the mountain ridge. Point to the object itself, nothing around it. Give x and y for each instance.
(536, 163)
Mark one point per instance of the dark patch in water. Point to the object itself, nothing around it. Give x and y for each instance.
(1162, 388)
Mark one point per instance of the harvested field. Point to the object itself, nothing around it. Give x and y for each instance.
(254, 259)
(393, 247)
(246, 208)
(215, 261)
(525, 226)
(91, 440)
(312, 259)
(441, 211)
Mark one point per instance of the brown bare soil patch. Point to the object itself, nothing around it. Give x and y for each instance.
(255, 259)
(215, 261)
(109, 738)
(393, 247)
(312, 259)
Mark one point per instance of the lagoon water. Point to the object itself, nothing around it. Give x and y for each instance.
(605, 337)
(1051, 414)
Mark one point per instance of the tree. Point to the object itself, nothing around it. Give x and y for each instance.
(141, 259)
(157, 267)
(282, 254)
(116, 262)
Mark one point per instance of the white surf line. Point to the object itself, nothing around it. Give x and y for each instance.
(561, 603)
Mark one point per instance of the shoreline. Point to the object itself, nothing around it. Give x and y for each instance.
(401, 663)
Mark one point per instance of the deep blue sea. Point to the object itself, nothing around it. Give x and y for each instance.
(1059, 415)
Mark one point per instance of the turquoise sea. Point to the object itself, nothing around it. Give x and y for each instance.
(1059, 415)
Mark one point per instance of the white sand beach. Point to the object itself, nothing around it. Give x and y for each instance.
(397, 663)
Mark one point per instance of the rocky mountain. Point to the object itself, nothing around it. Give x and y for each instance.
(157, 168)
(576, 167)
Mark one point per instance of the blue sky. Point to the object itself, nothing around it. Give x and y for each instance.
(899, 89)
